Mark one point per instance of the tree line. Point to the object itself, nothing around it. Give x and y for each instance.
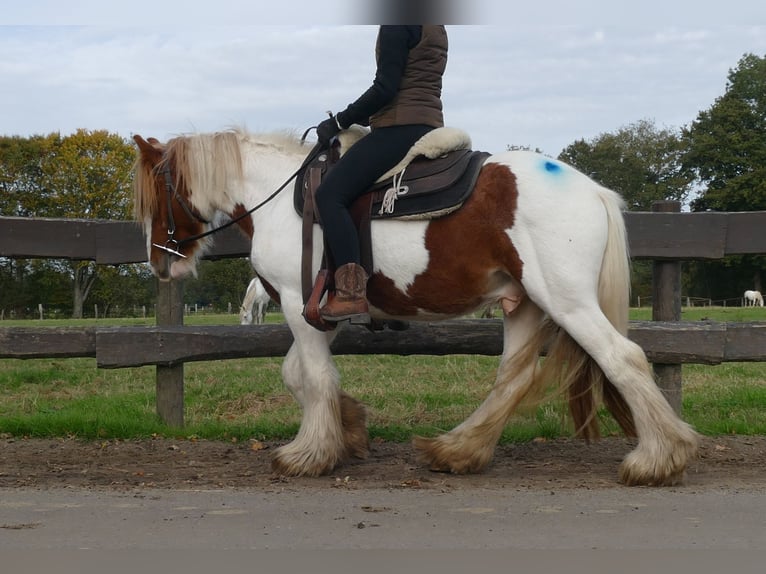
(717, 162)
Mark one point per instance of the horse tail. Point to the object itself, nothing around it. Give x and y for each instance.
(614, 280)
(577, 373)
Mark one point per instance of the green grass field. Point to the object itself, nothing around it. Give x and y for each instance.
(244, 398)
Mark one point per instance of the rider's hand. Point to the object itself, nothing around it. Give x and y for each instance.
(327, 130)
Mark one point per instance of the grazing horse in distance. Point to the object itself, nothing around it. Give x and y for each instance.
(254, 304)
(753, 299)
(535, 235)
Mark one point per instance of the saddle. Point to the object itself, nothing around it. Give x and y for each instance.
(434, 179)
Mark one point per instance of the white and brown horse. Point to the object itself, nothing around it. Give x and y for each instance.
(537, 236)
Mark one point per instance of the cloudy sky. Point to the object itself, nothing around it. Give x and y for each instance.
(536, 74)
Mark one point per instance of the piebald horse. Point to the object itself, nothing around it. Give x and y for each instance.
(254, 304)
(536, 236)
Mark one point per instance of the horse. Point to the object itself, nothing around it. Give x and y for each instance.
(536, 236)
(753, 298)
(256, 299)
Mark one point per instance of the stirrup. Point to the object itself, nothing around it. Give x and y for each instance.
(353, 319)
(311, 308)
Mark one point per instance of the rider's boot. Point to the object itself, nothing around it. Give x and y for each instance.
(350, 300)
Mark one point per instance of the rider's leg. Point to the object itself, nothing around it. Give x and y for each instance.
(353, 175)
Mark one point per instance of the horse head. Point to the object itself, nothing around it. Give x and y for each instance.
(163, 204)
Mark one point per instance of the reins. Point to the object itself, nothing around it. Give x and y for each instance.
(173, 245)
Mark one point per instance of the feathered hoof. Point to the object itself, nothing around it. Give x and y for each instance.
(630, 476)
(644, 467)
(289, 461)
(354, 421)
(441, 454)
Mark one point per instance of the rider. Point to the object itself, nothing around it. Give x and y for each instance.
(402, 105)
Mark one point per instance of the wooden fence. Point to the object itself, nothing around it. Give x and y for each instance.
(665, 236)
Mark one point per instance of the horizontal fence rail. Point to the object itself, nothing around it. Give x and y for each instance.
(678, 236)
(665, 236)
(117, 347)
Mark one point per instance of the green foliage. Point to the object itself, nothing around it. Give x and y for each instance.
(219, 283)
(87, 175)
(119, 289)
(726, 144)
(726, 150)
(21, 161)
(639, 161)
(84, 175)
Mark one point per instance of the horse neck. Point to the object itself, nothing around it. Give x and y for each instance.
(250, 296)
(267, 169)
(230, 169)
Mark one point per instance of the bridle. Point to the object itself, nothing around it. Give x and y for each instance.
(173, 245)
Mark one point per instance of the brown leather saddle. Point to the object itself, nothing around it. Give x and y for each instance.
(427, 188)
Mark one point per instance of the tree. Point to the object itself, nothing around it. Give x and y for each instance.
(219, 283)
(121, 289)
(639, 161)
(21, 162)
(85, 175)
(727, 153)
(726, 144)
(20, 177)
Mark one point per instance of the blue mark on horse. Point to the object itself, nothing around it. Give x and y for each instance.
(552, 167)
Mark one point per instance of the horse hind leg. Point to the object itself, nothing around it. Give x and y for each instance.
(577, 374)
(665, 443)
(469, 447)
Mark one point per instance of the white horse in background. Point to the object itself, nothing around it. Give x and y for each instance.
(753, 299)
(256, 300)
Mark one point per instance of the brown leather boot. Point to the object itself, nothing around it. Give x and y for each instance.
(350, 300)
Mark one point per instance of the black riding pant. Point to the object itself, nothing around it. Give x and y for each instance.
(357, 170)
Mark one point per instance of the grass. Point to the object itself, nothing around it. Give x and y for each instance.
(244, 398)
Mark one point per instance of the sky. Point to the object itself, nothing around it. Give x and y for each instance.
(541, 75)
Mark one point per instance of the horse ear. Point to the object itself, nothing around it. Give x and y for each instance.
(149, 149)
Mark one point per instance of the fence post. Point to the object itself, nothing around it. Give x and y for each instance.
(170, 380)
(666, 306)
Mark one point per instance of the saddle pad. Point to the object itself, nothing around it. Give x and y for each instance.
(434, 187)
(434, 192)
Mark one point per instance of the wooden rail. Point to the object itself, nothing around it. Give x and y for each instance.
(665, 342)
(658, 236)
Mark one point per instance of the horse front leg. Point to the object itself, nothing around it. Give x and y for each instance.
(333, 425)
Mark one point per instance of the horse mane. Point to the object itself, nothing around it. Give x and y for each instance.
(208, 163)
(145, 193)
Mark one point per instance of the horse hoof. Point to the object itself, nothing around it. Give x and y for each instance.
(441, 455)
(286, 463)
(645, 467)
(630, 477)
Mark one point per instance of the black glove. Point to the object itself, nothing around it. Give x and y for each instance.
(326, 130)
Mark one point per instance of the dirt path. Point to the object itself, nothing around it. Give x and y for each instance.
(724, 462)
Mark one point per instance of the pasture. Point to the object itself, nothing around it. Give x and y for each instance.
(243, 399)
